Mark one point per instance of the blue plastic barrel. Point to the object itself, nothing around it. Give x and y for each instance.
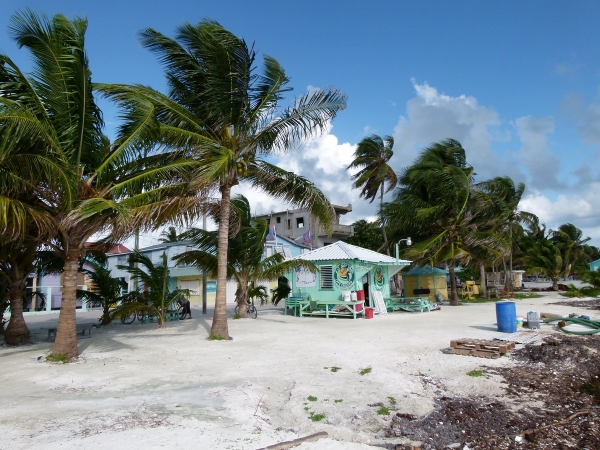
(506, 316)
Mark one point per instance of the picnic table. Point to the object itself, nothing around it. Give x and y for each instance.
(331, 308)
(294, 304)
(81, 329)
(410, 304)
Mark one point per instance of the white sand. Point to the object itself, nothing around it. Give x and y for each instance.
(138, 387)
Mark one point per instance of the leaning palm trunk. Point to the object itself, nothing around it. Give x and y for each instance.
(385, 240)
(66, 333)
(16, 332)
(453, 287)
(219, 326)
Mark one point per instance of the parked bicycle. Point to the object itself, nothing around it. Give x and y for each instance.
(252, 312)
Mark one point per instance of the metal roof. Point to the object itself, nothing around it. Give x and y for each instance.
(341, 250)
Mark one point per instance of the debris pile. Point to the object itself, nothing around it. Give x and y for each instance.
(552, 401)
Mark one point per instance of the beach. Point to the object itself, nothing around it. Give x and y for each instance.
(141, 387)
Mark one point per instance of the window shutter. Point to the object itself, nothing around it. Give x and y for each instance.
(326, 277)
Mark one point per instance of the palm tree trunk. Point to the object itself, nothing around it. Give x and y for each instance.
(385, 240)
(219, 325)
(242, 301)
(105, 319)
(555, 283)
(16, 332)
(506, 278)
(482, 282)
(511, 247)
(66, 333)
(453, 288)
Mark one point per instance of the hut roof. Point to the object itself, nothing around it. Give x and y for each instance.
(426, 270)
(341, 250)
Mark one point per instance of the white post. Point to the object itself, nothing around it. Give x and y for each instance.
(49, 299)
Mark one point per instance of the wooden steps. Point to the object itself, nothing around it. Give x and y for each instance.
(481, 348)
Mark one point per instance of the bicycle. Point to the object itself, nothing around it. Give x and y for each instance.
(181, 311)
(251, 309)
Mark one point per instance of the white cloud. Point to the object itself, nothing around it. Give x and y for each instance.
(535, 154)
(323, 161)
(433, 117)
(580, 209)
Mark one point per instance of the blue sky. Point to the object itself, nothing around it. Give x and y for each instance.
(517, 83)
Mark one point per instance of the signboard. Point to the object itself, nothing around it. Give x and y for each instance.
(211, 286)
(305, 278)
(343, 275)
(378, 278)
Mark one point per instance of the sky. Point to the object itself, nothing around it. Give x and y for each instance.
(517, 83)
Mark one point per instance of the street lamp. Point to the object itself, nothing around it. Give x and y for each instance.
(408, 243)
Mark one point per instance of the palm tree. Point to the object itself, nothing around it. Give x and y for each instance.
(545, 257)
(169, 235)
(106, 187)
(438, 206)
(244, 257)
(17, 261)
(154, 296)
(108, 292)
(510, 220)
(569, 239)
(375, 175)
(225, 113)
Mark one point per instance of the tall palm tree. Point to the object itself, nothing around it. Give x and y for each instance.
(438, 206)
(107, 187)
(571, 243)
(510, 219)
(245, 259)
(226, 114)
(545, 257)
(375, 176)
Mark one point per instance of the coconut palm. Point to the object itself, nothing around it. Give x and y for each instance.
(154, 296)
(107, 292)
(226, 113)
(510, 219)
(571, 243)
(437, 206)
(107, 187)
(17, 261)
(544, 257)
(375, 176)
(245, 256)
(169, 235)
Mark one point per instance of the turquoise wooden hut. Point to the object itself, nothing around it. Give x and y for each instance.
(344, 268)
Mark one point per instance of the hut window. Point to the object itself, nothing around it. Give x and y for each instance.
(326, 277)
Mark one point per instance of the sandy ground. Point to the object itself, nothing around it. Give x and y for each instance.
(138, 387)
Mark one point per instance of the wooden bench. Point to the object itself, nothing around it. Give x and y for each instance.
(170, 316)
(410, 304)
(294, 304)
(332, 308)
(81, 328)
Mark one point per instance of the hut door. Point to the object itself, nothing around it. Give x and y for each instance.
(365, 281)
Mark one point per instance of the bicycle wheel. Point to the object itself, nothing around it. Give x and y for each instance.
(252, 311)
(128, 318)
(237, 309)
(140, 315)
(180, 312)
